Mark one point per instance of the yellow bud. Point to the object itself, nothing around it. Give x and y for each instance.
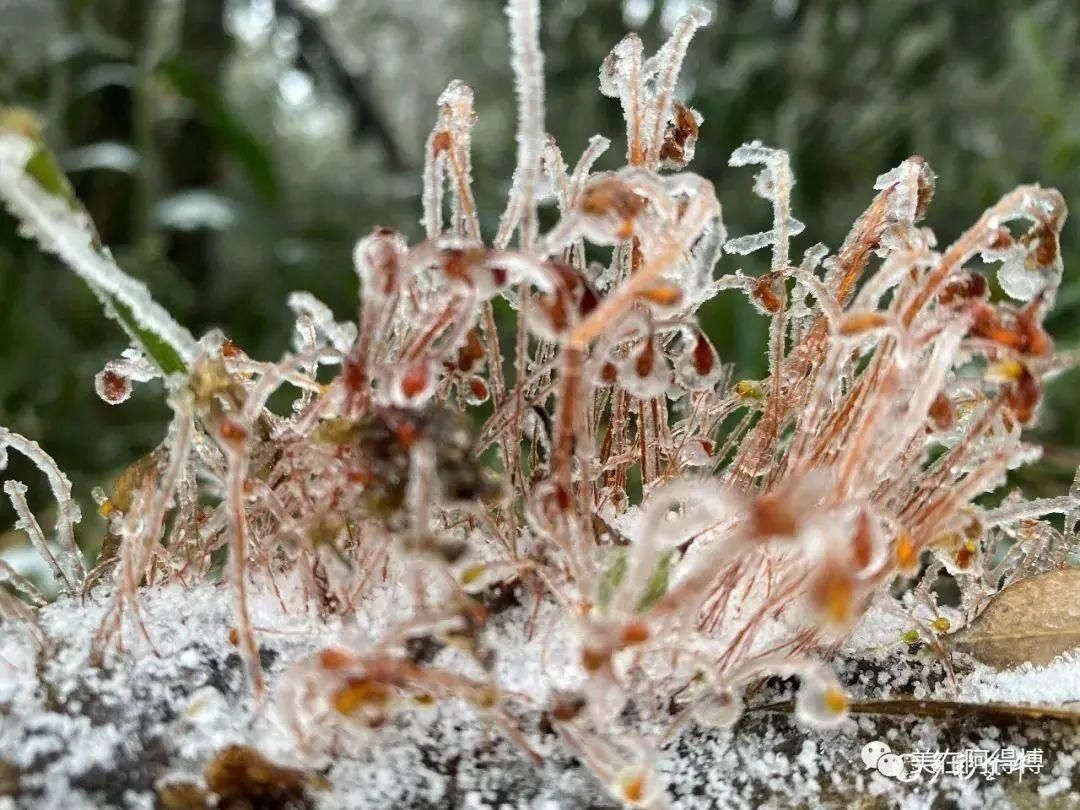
(836, 701)
(748, 389)
(1004, 371)
(471, 574)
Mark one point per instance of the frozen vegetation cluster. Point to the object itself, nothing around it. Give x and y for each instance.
(595, 494)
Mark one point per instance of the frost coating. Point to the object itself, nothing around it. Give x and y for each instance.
(626, 541)
(67, 565)
(58, 229)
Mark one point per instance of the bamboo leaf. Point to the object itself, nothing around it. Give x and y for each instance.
(1034, 620)
(37, 192)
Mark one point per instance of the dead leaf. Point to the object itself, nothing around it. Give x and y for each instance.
(1034, 620)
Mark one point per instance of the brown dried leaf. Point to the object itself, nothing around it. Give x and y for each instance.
(1034, 620)
(243, 777)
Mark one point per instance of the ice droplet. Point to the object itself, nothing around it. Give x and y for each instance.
(1019, 280)
(112, 386)
(820, 702)
(718, 710)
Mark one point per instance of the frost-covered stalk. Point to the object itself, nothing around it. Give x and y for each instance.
(238, 573)
(527, 60)
(67, 565)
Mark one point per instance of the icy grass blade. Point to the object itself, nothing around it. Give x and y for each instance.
(67, 565)
(38, 194)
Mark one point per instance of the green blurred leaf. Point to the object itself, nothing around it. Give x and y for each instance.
(612, 577)
(615, 574)
(658, 583)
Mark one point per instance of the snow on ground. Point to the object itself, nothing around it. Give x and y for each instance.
(74, 737)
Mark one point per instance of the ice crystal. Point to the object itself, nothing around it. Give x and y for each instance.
(770, 513)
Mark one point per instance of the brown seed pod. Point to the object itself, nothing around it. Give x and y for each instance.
(768, 292)
(677, 150)
(771, 517)
(1022, 396)
(441, 142)
(703, 356)
(832, 595)
(859, 322)
(415, 381)
(942, 412)
(964, 288)
(231, 432)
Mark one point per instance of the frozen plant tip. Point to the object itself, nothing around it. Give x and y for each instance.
(773, 511)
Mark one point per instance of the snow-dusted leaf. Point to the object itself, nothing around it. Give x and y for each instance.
(1034, 620)
(35, 190)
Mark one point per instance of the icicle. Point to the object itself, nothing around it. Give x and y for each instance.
(378, 259)
(21, 585)
(449, 149)
(556, 173)
(913, 183)
(14, 608)
(1072, 517)
(1025, 510)
(16, 492)
(598, 144)
(621, 78)
(438, 143)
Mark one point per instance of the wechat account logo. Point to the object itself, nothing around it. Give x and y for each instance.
(878, 756)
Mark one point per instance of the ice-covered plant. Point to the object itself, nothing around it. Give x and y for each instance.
(665, 535)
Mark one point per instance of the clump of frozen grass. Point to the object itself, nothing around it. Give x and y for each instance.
(773, 511)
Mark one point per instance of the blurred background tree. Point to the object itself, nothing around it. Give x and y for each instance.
(231, 151)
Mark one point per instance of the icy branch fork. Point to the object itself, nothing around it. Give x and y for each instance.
(774, 512)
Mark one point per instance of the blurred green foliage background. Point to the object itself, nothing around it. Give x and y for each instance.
(231, 151)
